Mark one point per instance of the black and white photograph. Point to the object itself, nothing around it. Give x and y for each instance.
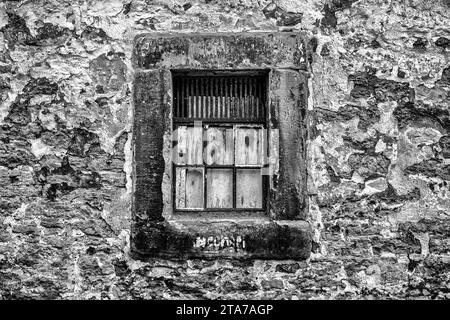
(205, 151)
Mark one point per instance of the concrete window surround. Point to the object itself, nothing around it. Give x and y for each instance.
(156, 232)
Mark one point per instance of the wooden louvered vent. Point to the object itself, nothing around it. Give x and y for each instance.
(219, 96)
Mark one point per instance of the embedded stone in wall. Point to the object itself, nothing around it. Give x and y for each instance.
(108, 72)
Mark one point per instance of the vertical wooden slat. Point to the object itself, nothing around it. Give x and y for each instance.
(188, 99)
(219, 96)
(207, 94)
(248, 146)
(211, 97)
(194, 188)
(196, 100)
(180, 98)
(244, 93)
(176, 98)
(189, 188)
(192, 98)
(211, 101)
(192, 84)
(219, 188)
(235, 104)
(228, 97)
(202, 101)
(219, 113)
(216, 98)
(237, 109)
(224, 98)
(180, 191)
(206, 97)
(249, 188)
(226, 102)
(256, 102)
(258, 97)
(242, 97)
(255, 99)
(183, 88)
(239, 90)
(229, 145)
(262, 98)
(194, 146)
(204, 94)
(252, 98)
(247, 98)
(220, 146)
(180, 147)
(229, 90)
(232, 95)
(222, 95)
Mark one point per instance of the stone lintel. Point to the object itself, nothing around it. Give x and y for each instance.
(220, 51)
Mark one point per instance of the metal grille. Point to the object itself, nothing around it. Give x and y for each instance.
(219, 96)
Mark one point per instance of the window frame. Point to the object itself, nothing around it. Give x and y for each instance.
(234, 122)
(285, 232)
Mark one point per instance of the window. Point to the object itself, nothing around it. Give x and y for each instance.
(220, 147)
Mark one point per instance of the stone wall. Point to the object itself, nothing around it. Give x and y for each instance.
(378, 150)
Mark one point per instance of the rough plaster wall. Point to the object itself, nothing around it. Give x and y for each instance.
(378, 150)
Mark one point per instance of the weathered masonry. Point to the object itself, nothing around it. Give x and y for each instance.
(98, 97)
(219, 138)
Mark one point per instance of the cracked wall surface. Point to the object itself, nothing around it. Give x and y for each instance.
(378, 150)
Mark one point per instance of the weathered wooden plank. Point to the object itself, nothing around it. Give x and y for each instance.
(189, 188)
(210, 100)
(188, 148)
(219, 188)
(194, 188)
(220, 145)
(179, 149)
(248, 188)
(228, 97)
(197, 98)
(191, 98)
(180, 190)
(248, 146)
